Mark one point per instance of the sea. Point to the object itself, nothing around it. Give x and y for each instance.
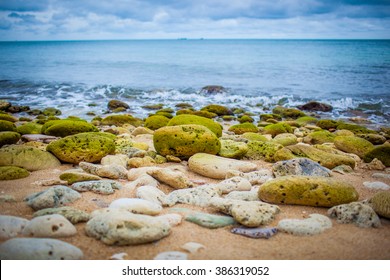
(78, 77)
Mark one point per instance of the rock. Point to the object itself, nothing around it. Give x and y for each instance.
(247, 213)
(185, 119)
(156, 121)
(380, 202)
(170, 158)
(174, 179)
(233, 149)
(277, 128)
(255, 232)
(319, 137)
(100, 186)
(212, 89)
(285, 139)
(171, 255)
(199, 196)
(209, 220)
(4, 105)
(141, 162)
(77, 175)
(307, 190)
(185, 140)
(289, 113)
(243, 195)
(62, 128)
(217, 109)
(11, 226)
(38, 138)
(142, 130)
(375, 164)
(381, 175)
(7, 117)
(192, 247)
(331, 149)
(243, 128)
(29, 128)
(56, 196)
(73, 215)
(355, 212)
(255, 177)
(8, 138)
(172, 219)
(258, 150)
(217, 167)
(136, 206)
(144, 180)
(357, 129)
(29, 158)
(12, 173)
(299, 166)
(343, 169)
(115, 159)
(135, 173)
(381, 152)
(152, 194)
(7, 126)
(326, 159)
(234, 184)
(89, 147)
(53, 225)
(375, 139)
(376, 185)
(120, 227)
(111, 171)
(315, 106)
(38, 249)
(353, 144)
(50, 111)
(115, 104)
(313, 225)
(7, 198)
(119, 120)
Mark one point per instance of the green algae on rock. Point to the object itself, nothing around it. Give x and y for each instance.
(29, 128)
(353, 144)
(120, 120)
(319, 137)
(277, 128)
(381, 152)
(7, 126)
(290, 113)
(233, 149)
(184, 141)
(243, 128)
(357, 129)
(156, 121)
(217, 109)
(12, 173)
(375, 139)
(258, 150)
(328, 124)
(380, 202)
(308, 191)
(285, 139)
(62, 128)
(6, 117)
(8, 138)
(253, 136)
(193, 119)
(73, 215)
(89, 147)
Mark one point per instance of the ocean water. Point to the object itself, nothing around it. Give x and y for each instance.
(351, 75)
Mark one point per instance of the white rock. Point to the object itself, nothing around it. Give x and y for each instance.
(199, 196)
(54, 225)
(11, 226)
(115, 159)
(381, 175)
(135, 173)
(172, 178)
(376, 185)
(144, 180)
(251, 195)
(234, 184)
(257, 177)
(136, 206)
(171, 255)
(315, 224)
(152, 194)
(355, 212)
(112, 171)
(192, 247)
(172, 219)
(38, 249)
(119, 256)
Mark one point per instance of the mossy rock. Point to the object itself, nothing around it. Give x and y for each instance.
(258, 150)
(7, 126)
(50, 111)
(307, 191)
(326, 159)
(183, 105)
(164, 114)
(29, 128)
(245, 118)
(380, 202)
(115, 104)
(89, 147)
(6, 117)
(288, 113)
(306, 120)
(320, 137)
(277, 128)
(119, 120)
(253, 136)
(375, 139)
(266, 117)
(27, 157)
(353, 144)
(357, 129)
(184, 141)
(343, 132)
(228, 118)
(327, 124)
(8, 138)
(381, 152)
(153, 106)
(205, 114)
(155, 122)
(217, 109)
(192, 119)
(285, 139)
(62, 128)
(12, 173)
(233, 149)
(188, 111)
(212, 89)
(243, 128)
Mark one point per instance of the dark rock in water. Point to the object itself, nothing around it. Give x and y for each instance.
(212, 89)
(114, 104)
(217, 109)
(18, 109)
(316, 106)
(300, 166)
(4, 105)
(50, 111)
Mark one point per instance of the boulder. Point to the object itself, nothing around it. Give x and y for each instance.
(212, 89)
(354, 145)
(8, 138)
(285, 139)
(243, 128)
(289, 113)
(193, 119)
(56, 196)
(277, 128)
(12, 173)
(381, 152)
(258, 150)
(300, 166)
(315, 106)
(11, 226)
(357, 213)
(217, 109)
(233, 149)
(156, 121)
(380, 202)
(62, 128)
(53, 225)
(375, 139)
(120, 120)
(115, 104)
(319, 137)
(7, 126)
(313, 225)
(29, 128)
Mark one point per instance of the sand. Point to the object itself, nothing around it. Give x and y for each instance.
(341, 242)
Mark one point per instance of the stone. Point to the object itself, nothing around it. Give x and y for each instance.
(258, 150)
(7, 117)
(319, 137)
(141, 130)
(299, 166)
(233, 149)
(217, 109)
(184, 141)
(12, 173)
(48, 182)
(199, 196)
(380, 202)
(77, 175)
(357, 129)
(53, 225)
(136, 206)
(375, 139)
(316, 106)
(192, 247)
(7, 198)
(105, 187)
(381, 152)
(355, 212)
(152, 194)
(343, 169)
(51, 111)
(185, 119)
(111, 171)
(313, 225)
(11, 226)
(62, 128)
(115, 104)
(381, 175)
(257, 177)
(115, 159)
(29, 158)
(243, 128)
(29, 128)
(56, 196)
(7, 126)
(171, 255)
(376, 185)
(38, 138)
(353, 144)
(234, 184)
(375, 164)
(8, 138)
(255, 232)
(277, 128)
(135, 173)
(285, 139)
(73, 215)
(141, 162)
(307, 190)
(247, 213)
(209, 220)
(212, 89)
(39, 249)
(89, 147)
(216, 167)
(120, 227)
(120, 120)
(252, 136)
(290, 113)
(143, 180)
(172, 219)
(156, 121)
(170, 158)
(243, 195)
(174, 179)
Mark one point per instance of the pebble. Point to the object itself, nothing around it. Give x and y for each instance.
(54, 225)
(343, 169)
(255, 232)
(174, 179)
(115, 159)
(77, 175)
(357, 213)
(209, 220)
(7, 198)
(119, 256)
(137, 206)
(300, 166)
(73, 215)
(144, 180)
(135, 173)
(11, 226)
(234, 184)
(199, 196)
(49, 182)
(38, 249)
(152, 194)
(244, 195)
(112, 171)
(171, 255)
(192, 247)
(172, 219)
(105, 187)
(381, 175)
(376, 185)
(313, 225)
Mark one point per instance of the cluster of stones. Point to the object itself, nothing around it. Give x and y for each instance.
(304, 151)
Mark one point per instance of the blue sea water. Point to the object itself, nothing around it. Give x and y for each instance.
(352, 75)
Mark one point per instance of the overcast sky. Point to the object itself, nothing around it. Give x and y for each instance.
(150, 19)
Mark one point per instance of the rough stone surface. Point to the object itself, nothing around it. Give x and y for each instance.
(136, 206)
(77, 175)
(192, 119)
(143, 180)
(111, 171)
(135, 173)
(234, 184)
(376, 185)
(62, 128)
(244, 195)
(381, 152)
(285, 139)
(11, 226)
(101, 186)
(258, 150)
(375, 164)
(209, 220)
(174, 179)
(53, 225)
(172, 219)
(300, 166)
(12, 173)
(8, 138)
(199, 196)
(73, 215)
(355, 212)
(141, 162)
(353, 144)
(315, 224)
(233, 149)
(217, 167)
(307, 190)
(115, 159)
(152, 194)
(255, 177)
(316, 106)
(380, 202)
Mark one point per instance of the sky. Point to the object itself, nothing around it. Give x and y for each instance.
(172, 19)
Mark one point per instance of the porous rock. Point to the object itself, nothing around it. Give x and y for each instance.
(234, 184)
(152, 194)
(12, 173)
(11, 226)
(111, 171)
(199, 196)
(136, 206)
(299, 166)
(100, 186)
(53, 225)
(174, 179)
(355, 212)
(380, 202)
(55, 196)
(313, 225)
(73, 215)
